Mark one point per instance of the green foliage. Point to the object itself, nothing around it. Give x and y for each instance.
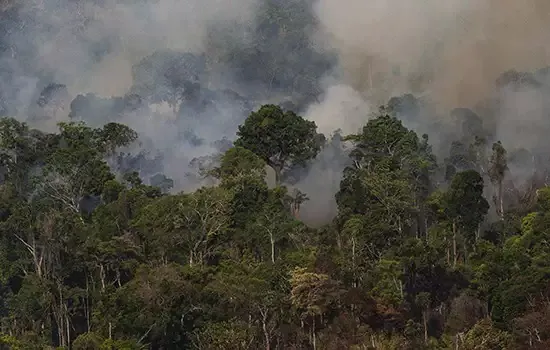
(280, 138)
(389, 286)
(88, 341)
(310, 292)
(111, 190)
(231, 335)
(484, 336)
(240, 165)
(412, 261)
(110, 344)
(465, 203)
(9, 342)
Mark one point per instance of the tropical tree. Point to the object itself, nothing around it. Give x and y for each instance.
(280, 138)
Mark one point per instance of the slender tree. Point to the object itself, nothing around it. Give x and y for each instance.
(497, 171)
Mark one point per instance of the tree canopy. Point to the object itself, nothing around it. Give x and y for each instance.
(95, 258)
(281, 138)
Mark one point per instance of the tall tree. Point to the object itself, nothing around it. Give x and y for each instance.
(497, 171)
(466, 206)
(280, 138)
(312, 295)
(390, 177)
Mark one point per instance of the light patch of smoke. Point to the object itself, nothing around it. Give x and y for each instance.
(341, 107)
(521, 117)
(321, 184)
(523, 125)
(165, 134)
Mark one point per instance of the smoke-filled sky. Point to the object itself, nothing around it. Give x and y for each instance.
(463, 45)
(460, 46)
(335, 60)
(69, 35)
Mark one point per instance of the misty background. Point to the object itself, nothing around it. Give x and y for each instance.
(185, 74)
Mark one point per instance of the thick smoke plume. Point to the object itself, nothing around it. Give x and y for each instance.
(449, 53)
(453, 49)
(95, 46)
(185, 74)
(91, 46)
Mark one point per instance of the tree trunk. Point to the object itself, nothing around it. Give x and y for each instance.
(87, 305)
(68, 325)
(60, 320)
(102, 277)
(314, 335)
(266, 333)
(425, 322)
(353, 261)
(448, 249)
(118, 278)
(501, 200)
(455, 256)
(399, 225)
(272, 242)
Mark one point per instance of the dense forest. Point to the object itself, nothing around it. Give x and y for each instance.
(93, 259)
(204, 208)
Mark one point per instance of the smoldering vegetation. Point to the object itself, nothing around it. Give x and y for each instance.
(185, 74)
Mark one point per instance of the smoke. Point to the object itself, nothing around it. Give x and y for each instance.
(200, 66)
(322, 181)
(449, 54)
(103, 52)
(341, 107)
(454, 50)
(94, 47)
(91, 46)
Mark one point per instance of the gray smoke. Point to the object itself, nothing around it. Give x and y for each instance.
(185, 74)
(95, 49)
